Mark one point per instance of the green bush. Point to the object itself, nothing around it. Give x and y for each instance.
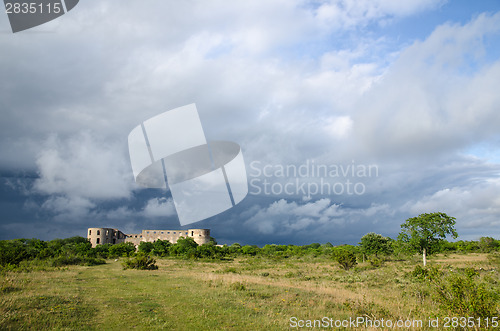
(463, 294)
(145, 247)
(141, 262)
(185, 247)
(251, 250)
(122, 249)
(428, 273)
(12, 252)
(345, 258)
(161, 247)
(376, 262)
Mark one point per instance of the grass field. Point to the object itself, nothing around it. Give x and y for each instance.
(244, 294)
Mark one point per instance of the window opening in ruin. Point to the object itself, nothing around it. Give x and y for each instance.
(107, 232)
(97, 240)
(98, 232)
(90, 232)
(114, 241)
(192, 233)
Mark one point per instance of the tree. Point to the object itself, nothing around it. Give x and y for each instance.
(145, 247)
(250, 250)
(424, 232)
(12, 252)
(488, 244)
(122, 249)
(374, 244)
(184, 246)
(212, 241)
(345, 257)
(161, 247)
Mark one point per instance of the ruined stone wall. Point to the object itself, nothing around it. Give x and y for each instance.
(99, 236)
(200, 236)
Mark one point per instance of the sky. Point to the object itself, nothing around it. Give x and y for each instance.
(352, 116)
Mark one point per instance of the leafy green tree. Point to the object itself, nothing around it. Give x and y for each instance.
(234, 249)
(146, 247)
(184, 246)
(488, 244)
(36, 248)
(161, 247)
(83, 248)
(122, 249)
(209, 251)
(374, 244)
(101, 251)
(12, 252)
(251, 250)
(424, 232)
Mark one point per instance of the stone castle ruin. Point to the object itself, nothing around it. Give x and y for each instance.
(100, 236)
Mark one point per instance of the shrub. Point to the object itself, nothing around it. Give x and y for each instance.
(488, 244)
(376, 262)
(161, 247)
(141, 262)
(461, 293)
(375, 244)
(184, 247)
(346, 259)
(464, 295)
(12, 252)
(122, 249)
(145, 247)
(429, 273)
(250, 250)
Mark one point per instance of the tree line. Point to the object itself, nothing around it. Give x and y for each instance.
(425, 234)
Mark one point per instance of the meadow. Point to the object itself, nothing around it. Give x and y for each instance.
(254, 293)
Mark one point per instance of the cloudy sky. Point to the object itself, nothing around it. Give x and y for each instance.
(395, 104)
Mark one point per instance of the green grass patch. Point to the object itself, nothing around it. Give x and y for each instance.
(245, 294)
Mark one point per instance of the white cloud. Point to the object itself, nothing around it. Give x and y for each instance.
(339, 127)
(344, 14)
(475, 205)
(159, 207)
(82, 166)
(282, 217)
(430, 101)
